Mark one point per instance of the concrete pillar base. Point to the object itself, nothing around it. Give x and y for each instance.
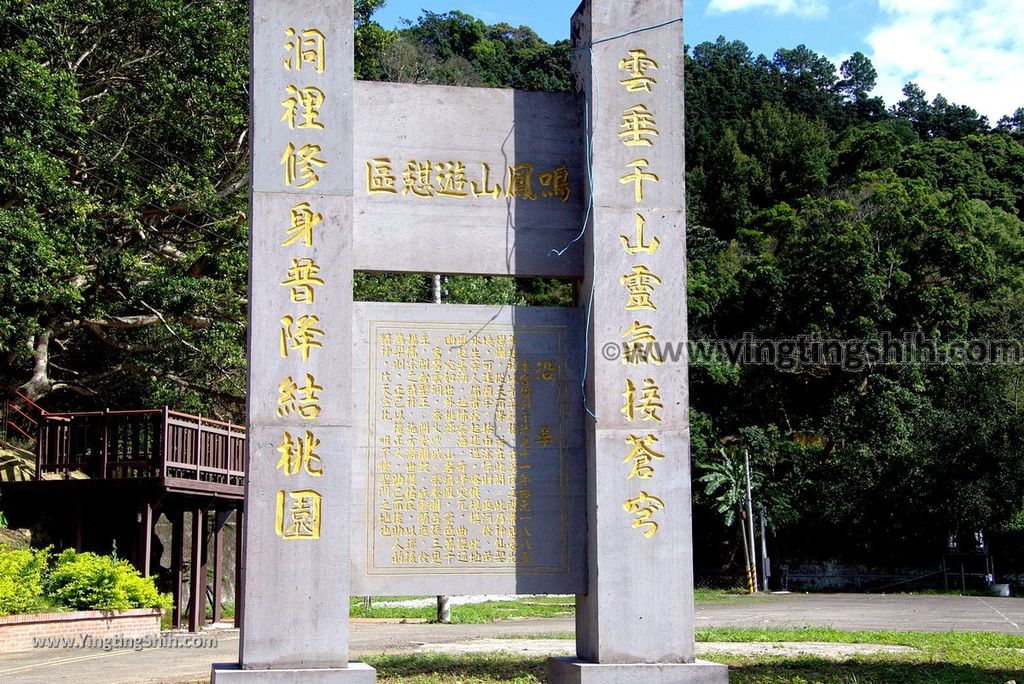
(355, 673)
(574, 671)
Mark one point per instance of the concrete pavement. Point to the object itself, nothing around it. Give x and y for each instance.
(841, 611)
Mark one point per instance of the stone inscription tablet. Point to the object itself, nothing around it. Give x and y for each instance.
(469, 460)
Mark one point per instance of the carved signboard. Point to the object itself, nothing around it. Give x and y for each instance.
(469, 450)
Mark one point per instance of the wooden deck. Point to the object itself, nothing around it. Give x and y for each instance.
(187, 453)
(103, 478)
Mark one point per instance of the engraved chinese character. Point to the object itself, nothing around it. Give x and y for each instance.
(303, 276)
(300, 164)
(520, 182)
(307, 47)
(644, 507)
(546, 370)
(642, 456)
(639, 245)
(304, 220)
(380, 179)
(298, 514)
(558, 182)
(417, 177)
(637, 65)
(649, 401)
(451, 179)
(302, 107)
(640, 284)
(300, 335)
(484, 186)
(304, 400)
(637, 178)
(641, 346)
(298, 454)
(638, 127)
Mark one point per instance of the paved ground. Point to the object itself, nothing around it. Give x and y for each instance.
(871, 612)
(850, 612)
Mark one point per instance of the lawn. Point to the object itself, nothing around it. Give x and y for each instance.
(525, 607)
(938, 658)
(490, 611)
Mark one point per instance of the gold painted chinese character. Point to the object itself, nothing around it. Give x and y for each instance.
(641, 346)
(642, 455)
(299, 165)
(303, 276)
(304, 400)
(307, 47)
(630, 396)
(298, 514)
(300, 335)
(520, 182)
(558, 182)
(299, 454)
(451, 179)
(637, 178)
(648, 401)
(380, 179)
(302, 107)
(639, 246)
(480, 189)
(545, 437)
(637, 66)
(417, 177)
(644, 507)
(640, 284)
(638, 127)
(304, 220)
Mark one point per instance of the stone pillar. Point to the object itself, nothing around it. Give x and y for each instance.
(635, 623)
(298, 500)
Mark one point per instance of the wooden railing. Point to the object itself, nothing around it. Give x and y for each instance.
(20, 416)
(137, 444)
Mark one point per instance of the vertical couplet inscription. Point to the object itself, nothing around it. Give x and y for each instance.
(467, 450)
(642, 400)
(302, 334)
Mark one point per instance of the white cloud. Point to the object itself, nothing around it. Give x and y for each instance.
(970, 52)
(802, 8)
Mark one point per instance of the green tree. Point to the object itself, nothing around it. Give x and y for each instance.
(127, 217)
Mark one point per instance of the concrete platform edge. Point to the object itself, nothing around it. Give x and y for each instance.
(355, 673)
(574, 671)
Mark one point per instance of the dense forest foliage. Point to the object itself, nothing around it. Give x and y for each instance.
(815, 209)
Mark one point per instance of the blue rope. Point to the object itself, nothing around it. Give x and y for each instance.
(589, 145)
(588, 141)
(628, 33)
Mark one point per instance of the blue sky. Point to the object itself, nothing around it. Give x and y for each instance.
(971, 51)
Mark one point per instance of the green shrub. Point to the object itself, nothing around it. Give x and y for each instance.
(86, 581)
(21, 580)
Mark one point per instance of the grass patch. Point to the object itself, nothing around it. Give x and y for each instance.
(720, 596)
(470, 613)
(510, 669)
(525, 607)
(874, 670)
(939, 658)
(567, 636)
(445, 669)
(919, 640)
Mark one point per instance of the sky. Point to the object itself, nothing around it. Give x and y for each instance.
(970, 51)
